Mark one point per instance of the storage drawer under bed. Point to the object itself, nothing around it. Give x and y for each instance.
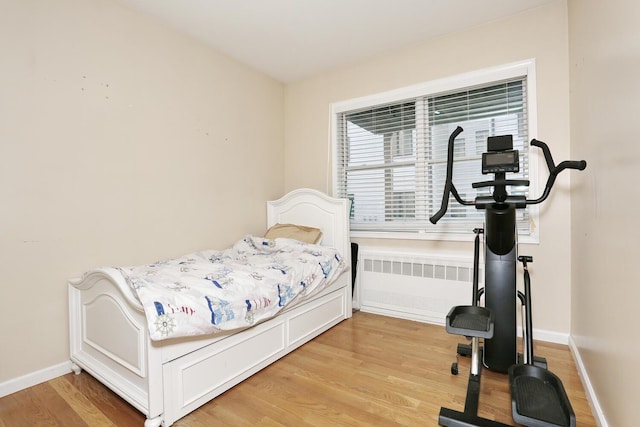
(195, 378)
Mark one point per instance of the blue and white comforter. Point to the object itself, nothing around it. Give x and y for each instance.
(211, 291)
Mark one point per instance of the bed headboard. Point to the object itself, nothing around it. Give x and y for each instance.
(313, 208)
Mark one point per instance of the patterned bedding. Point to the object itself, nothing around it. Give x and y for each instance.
(211, 291)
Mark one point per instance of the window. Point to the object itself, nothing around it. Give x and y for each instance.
(391, 150)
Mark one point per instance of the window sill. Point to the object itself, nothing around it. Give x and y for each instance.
(433, 236)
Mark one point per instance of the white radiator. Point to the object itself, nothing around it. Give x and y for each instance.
(414, 286)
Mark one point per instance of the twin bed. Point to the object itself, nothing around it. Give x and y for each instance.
(167, 372)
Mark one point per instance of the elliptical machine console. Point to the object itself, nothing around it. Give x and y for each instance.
(500, 157)
(496, 322)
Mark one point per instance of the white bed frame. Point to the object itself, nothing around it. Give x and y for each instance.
(166, 380)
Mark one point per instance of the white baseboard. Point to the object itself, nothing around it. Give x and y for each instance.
(416, 316)
(588, 387)
(548, 336)
(437, 319)
(34, 378)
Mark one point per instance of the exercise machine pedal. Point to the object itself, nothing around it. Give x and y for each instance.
(538, 398)
(470, 321)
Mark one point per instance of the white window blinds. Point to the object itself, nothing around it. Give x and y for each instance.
(391, 158)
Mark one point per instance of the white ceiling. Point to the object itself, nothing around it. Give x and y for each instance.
(293, 39)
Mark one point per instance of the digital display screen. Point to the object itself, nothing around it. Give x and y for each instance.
(504, 158)
(500, 161)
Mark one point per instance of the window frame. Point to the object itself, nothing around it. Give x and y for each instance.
(462, 81)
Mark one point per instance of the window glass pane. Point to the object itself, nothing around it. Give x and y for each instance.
(365, 148)
(366, 190)
(385, 119)
(380, 148)
(401, 203)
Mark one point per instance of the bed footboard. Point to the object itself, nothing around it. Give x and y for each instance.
(109, 339)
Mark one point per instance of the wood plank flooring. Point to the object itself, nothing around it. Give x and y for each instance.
(367, 371)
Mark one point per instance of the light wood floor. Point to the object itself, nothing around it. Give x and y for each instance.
(370, 370)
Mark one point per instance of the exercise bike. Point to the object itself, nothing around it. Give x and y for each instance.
(538, 398)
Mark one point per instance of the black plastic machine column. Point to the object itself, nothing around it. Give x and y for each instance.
(500, 291)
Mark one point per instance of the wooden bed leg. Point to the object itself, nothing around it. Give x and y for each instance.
(75, 368)
(153, 422)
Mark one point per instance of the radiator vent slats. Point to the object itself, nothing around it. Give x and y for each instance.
(419, 269)
(415, 286)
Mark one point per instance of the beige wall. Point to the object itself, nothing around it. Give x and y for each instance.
(605, 65)
(121, 142)
(541, 34)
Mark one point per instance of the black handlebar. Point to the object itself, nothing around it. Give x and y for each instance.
(554, 170)
(448, 183)
(567, 164)
(517, 182)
